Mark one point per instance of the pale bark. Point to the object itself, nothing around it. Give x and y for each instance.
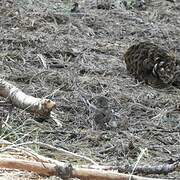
(26, 102)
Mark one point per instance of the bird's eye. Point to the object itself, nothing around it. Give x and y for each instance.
(161, 63)
(162, 69)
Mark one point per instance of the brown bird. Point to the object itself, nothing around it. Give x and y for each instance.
(150, 63)
(103, 113)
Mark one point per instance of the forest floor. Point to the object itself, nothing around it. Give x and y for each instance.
(76, 59)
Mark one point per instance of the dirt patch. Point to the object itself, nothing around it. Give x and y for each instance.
(75, 58)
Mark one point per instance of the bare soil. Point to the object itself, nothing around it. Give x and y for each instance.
(76, 59)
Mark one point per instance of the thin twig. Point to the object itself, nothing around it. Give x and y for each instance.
(49, 147)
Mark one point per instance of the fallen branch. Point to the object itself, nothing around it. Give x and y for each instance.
(37, 106)
(159, 169)
(45, 169)
(91, 174)
(54, 167)
(65, 170)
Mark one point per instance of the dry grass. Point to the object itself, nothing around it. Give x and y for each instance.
(36, 36)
